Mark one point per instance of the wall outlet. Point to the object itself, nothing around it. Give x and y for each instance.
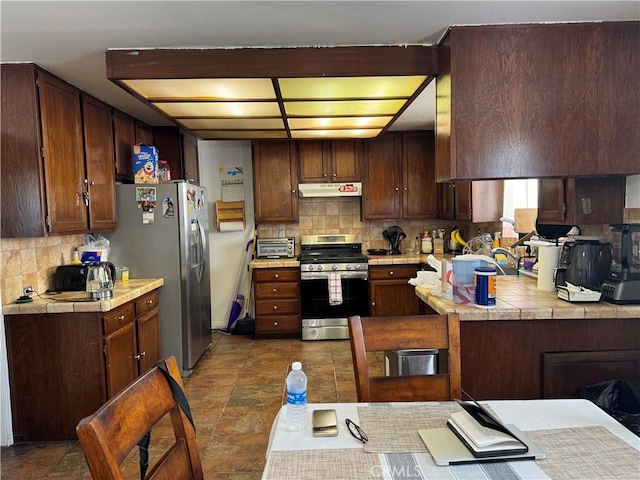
(27, 289)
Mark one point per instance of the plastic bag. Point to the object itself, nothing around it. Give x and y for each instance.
(619, 398)
(95, 248)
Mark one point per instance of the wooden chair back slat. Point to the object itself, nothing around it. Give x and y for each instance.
(379, 334)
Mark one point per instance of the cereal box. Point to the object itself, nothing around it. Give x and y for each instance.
(145, 164)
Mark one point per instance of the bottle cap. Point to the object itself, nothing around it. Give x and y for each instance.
(296, 366)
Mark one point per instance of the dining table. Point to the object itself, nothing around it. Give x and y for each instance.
(579, 441)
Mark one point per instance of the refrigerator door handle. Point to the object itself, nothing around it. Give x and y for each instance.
(204, 255)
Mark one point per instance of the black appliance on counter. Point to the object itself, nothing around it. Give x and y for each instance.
(325, 259)
(584, 262)
(623, 282)
(73, 277)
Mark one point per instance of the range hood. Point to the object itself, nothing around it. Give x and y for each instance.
(353, 189)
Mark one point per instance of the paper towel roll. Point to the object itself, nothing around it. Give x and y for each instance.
(547, 263)
(231, 226)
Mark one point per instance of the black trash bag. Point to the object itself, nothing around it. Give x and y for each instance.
(619, 398)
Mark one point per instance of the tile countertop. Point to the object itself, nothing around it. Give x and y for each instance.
(373, 260)
(518, 298)
(64, 302)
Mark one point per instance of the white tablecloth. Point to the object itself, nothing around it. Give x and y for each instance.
(539, 416)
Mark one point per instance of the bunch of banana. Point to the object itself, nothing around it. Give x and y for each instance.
(456, 237)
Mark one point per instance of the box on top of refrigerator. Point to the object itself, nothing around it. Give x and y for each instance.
(145, 164)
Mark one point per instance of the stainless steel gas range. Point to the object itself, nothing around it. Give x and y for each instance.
(334, 284)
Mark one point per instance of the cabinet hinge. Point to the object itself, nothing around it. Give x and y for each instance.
(564, 211)
(38, 82)
(48, 221)
(104, 350)
(42, 152)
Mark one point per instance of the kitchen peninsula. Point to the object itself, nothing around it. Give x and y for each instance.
(533, 345)
(66, 358)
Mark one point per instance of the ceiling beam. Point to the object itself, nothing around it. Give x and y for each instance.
(271, 62)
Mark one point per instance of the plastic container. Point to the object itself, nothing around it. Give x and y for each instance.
(122, 274)
(463, 278)
(296, 398)
(485, 287)
(427, 244)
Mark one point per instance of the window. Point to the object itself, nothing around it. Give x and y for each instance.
(520, 193)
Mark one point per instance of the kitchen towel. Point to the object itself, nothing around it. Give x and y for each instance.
(334, 282)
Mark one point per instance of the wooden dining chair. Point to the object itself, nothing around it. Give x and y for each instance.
(380, 334)
(113, 431)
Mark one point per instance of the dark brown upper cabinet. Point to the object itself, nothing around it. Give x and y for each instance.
(479, 201)
(124, 131)
(180, 150)
(275, 176)
(581, 201)
(48, 186)
(538, 100)
(322, 161)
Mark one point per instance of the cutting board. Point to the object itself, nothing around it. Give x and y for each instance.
(525, 219)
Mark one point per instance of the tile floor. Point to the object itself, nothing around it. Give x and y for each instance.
(234, 392)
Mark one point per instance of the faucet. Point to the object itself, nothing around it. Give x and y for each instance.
(511, 268)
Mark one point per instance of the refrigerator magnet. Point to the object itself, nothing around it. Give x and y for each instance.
(167, 207)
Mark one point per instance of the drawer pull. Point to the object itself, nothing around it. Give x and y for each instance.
(275, 324)
(121, 318)
(276, 276)
(390, 273)
(275, 290)
(275, 307)
(149, 302)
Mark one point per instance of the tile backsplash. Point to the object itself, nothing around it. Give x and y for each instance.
(33, 261)
(319, 216)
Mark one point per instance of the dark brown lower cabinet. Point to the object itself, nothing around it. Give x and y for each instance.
(390, 294)
(521, 359)
(64, 366)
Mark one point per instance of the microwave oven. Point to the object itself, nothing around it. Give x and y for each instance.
(275, 247)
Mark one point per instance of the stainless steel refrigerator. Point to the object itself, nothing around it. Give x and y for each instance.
(163, 232)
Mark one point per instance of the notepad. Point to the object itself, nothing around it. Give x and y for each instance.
(482, 433)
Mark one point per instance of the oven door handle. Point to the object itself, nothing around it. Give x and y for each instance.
(323, 275)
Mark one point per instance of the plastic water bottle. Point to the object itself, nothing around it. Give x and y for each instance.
(296, 398)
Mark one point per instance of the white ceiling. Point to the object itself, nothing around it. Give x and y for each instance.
(69, 38)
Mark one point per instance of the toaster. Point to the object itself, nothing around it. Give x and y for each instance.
(73, 278)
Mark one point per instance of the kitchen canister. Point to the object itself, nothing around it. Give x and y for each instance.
(485, 284)
(547, 263)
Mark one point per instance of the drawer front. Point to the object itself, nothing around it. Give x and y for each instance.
(146, 303)
(278, 324)
(278, 307)
(393, 271)
(118, 318)
(277, 290)
(276, 275)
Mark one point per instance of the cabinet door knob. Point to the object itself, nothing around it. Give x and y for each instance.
(275, 324)
(276, 276)
(405, 189)
(324, 174)
(275, 307)
(293, 191)
(335, 174)
(373, 304)
(274, 290)
(391, 273)
(397, 189)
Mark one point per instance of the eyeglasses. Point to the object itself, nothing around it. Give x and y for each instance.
(356, 431)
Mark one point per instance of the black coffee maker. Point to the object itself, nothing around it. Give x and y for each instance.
(622, 285)
(584, 262)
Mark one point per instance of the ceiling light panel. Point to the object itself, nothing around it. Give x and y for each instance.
(338, 122)
(219, 109)
(349, 87)
(358, 133)
(239, 134)
(205, 88)
(232, 123)
(344, 108)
